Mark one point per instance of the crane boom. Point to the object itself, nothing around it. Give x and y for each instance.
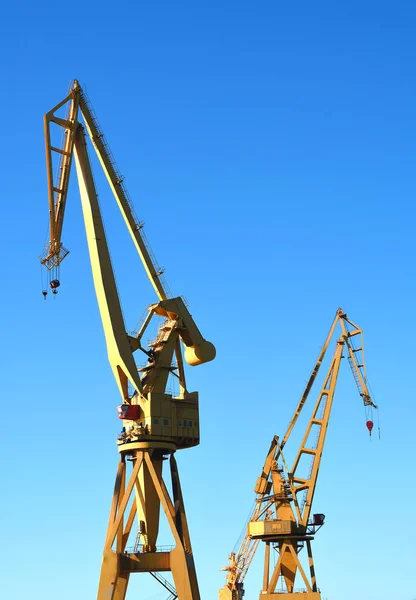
(57, 196)
(155, 423)
(280, 518)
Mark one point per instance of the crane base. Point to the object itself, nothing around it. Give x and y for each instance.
(137, 499)
(146, 445)
(292, 596)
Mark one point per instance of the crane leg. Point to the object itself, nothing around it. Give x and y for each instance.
(183, 566)
(311, 566)
(113, 582)
(266, 573)
(289, 568)
(150, 492)
(121, 587)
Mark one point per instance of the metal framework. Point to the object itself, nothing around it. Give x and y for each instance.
(281, 518)
(155, 424)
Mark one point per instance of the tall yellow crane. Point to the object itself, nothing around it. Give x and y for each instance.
(155, 424)
(282, 514)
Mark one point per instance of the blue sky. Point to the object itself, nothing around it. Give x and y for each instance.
(270, 149)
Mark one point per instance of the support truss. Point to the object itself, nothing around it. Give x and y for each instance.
(118, 563)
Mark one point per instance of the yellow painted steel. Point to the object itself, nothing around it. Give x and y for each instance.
(161, 423)
(279, 518)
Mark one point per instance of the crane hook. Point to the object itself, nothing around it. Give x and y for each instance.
(54, 284)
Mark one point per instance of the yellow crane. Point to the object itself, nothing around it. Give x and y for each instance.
(282, 515)
(155, 424)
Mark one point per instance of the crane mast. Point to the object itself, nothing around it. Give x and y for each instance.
(155, 423)
(281, 518)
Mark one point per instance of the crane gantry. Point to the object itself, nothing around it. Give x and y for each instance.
(155, 424)
(281, 518)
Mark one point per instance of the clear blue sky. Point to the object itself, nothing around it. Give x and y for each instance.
(270, 149)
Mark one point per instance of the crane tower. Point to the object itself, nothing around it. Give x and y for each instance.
(155, 423)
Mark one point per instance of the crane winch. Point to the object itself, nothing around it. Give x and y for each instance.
(282, 514)
(155, 423)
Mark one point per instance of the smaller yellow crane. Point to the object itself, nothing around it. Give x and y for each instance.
(281, 517)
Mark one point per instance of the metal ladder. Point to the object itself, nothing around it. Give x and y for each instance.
(166, 584)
